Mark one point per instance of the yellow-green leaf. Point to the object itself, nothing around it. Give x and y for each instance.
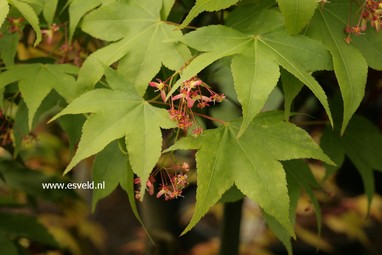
(118, 114)
(251, 162)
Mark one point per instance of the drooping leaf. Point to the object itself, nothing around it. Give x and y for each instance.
(300, 173)
(331, 143)
(350, 66)
(37, 80)
(256, 155)
(30, 15)
(297, 60)
(4, 9)
(145, 43)
(128, 186)
(77, 9)
(206, 5)
(110, 166)
(291, 87)
(362, 143)
(256, 73)
(117, 114)
(297, 14)
(49, 10)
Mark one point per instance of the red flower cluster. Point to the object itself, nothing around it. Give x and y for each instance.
(371, 13)
(190, 94)
(173, 181)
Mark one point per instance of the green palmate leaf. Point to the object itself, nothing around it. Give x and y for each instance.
(117, 114)
(255, 77)
(256, 72)
(251, 162)
(291, 87)
(297, 14)
(145, 43)
(4, 9)
(110, 166)
(30, 15)
(206, 5)
(49, 10)
(37, 80)
(362, 143)
(218, 41)
(350, 66)
(331, 143)
(77, 9)
(295, 55)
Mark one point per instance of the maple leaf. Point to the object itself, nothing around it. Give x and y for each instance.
(255, 66)
(37, 80)
(141, 41)
(250, 162)
(116, 114)
(110, 166)
(350, 65)
(361, 142)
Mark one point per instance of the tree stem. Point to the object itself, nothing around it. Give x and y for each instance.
(230, 238)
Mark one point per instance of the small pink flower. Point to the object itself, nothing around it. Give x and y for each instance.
(164, 191)
(185, 166)
(197, 131)
(217, 98)
(185, 95)
(160, 85)
(181, 179)
(49, 33)
(192, 83)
